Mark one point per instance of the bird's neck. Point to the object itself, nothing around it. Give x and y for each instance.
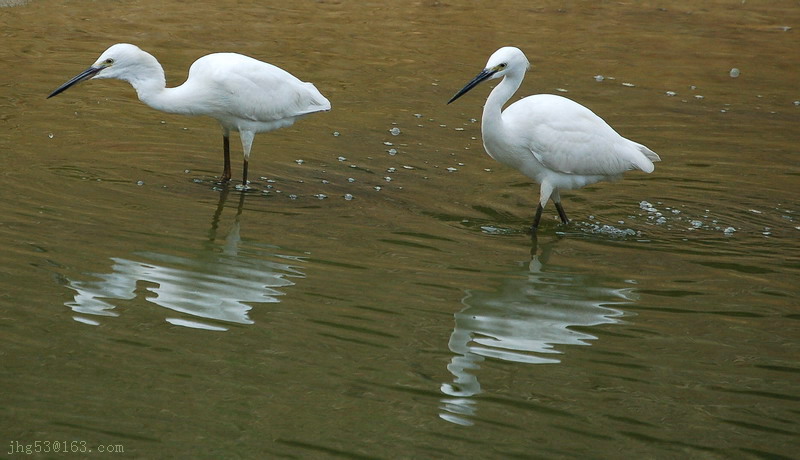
(492, 122)
(151, 87)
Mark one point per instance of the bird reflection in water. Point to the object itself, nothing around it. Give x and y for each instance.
(534, 310)
(215, 283)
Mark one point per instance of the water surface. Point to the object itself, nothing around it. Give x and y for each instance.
(375, 295)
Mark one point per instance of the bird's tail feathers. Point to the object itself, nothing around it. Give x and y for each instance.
(320, 102)
(650, 157)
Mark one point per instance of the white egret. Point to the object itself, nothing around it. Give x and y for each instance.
(243, 94)
(553, 140)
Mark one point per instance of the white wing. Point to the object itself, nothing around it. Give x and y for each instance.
(569, 138)
(242, 87)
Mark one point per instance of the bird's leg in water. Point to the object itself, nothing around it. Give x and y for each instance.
(244, 172)
(226, 150)
(537, 218)
(561, 213)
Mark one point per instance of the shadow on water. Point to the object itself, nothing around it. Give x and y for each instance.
(535, 309)
(215, 283)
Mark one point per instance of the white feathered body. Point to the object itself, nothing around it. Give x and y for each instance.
(561, 144)
(242, 93)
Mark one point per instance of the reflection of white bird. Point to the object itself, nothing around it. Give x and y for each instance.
(241, 93)
(557, 142)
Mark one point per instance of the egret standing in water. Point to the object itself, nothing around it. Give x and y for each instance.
(553, 140)
(241, 93)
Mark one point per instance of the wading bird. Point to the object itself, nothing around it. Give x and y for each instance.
(241, 93)
(553, 140)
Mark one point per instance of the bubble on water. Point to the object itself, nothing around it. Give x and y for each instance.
(51, 135)
(599, 78)
(610, 230)
(351, 180)
(378, 188)
(696, 223)
(342, 159)
(388, 143)
(729, 231)
(417, 115)
(395, 131)
(647, 206)
(671, 93)
(348, 196)
(321, 196)
(661, 220)
(139, 182)
(797, 103)
(292, 196)
(697, 96)
(387, 179)
(452, 169)
(630, 85)
(562, 90)
(336, 134)
(391, 170)
(299, 161)
(407, 167)
(325, 181)
(459, 129)
(492, 230)
(734, 72)
(392, 152)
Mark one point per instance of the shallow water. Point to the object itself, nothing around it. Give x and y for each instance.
(144, 307)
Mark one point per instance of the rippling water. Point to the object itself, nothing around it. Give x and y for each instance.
(375, 295)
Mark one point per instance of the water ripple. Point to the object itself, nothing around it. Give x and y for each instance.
(217, 282)
(524, 320)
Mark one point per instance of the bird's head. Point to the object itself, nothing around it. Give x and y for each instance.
(502, 62)
(115, 62)
(506, 60)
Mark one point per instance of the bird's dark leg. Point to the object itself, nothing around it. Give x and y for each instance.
(561, 213)
(244, 172)
(226, 151)
(537, 218)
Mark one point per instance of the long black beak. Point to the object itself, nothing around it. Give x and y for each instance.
(485, 73)
(85, 75)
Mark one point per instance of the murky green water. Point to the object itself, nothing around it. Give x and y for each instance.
(143, 307)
